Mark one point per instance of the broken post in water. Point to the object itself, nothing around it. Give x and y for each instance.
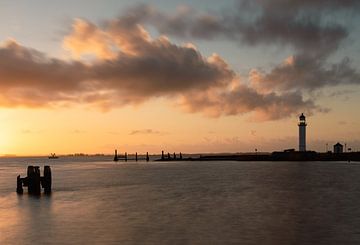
(33, 181)
(116, 156)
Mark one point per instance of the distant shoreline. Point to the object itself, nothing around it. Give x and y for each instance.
(275, 156)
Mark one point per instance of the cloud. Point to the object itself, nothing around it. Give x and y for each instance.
(130, 68)
(304, 25)
(77, 131)
(253, 133)
(142, 67)
(341, 93)
(145, 132)
(311, 28)
(29, 131)
(26, 131)
(302, 72)
(29, 78)
(86, 38)
(243, 99)
(342, 122)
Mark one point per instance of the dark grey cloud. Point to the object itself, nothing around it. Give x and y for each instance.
(243, 99)
(162, 69)
(311, 27)
(304, 25)
(315, 29)
(28, 77)
(306, 73)
(19, 64)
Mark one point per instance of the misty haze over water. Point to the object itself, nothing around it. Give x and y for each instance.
(97, 201)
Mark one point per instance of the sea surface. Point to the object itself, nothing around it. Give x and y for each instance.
(97, 201)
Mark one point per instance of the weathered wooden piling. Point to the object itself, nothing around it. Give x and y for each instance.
(162, 155)
(116, 158)
(37, 188)
(127, 157)
(33, 181)
(19, 183)
(168, 155)
(174, 156)
(180, 156)
(46, 180)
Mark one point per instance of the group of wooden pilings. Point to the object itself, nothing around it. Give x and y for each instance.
(34, 180)
(169, 158)
(163, 158)
(125, 157)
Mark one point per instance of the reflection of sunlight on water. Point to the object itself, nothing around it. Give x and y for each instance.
(11, 221)
(22, 217)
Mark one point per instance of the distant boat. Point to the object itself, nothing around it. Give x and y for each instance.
(53, 156)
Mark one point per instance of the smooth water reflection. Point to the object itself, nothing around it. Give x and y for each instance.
(184, 203)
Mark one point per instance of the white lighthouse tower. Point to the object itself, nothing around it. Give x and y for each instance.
(302, 133)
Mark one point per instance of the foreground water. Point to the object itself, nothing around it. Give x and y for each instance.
(100, 202)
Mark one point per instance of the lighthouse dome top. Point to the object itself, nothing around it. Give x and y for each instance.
(302, 117)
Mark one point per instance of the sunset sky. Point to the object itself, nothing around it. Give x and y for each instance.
(193, 76)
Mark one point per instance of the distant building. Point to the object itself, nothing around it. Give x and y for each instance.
(338, 148)
(302, 132)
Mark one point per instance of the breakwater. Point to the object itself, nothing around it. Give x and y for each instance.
(274, 156)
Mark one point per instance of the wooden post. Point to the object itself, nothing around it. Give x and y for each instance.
(46, 184)
(168, 156)
(116, 157)
(37, 188)
(147, 156)
(174, 156)
(125, 156)
(162, 155)
(19, 188)
(180, 156)
(136, 156)
(30, 178)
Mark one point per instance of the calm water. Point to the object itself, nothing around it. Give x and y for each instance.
(101, 202)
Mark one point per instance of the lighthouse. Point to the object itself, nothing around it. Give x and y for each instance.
(302, 132)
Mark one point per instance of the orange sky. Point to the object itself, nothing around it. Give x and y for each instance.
(154, 127)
